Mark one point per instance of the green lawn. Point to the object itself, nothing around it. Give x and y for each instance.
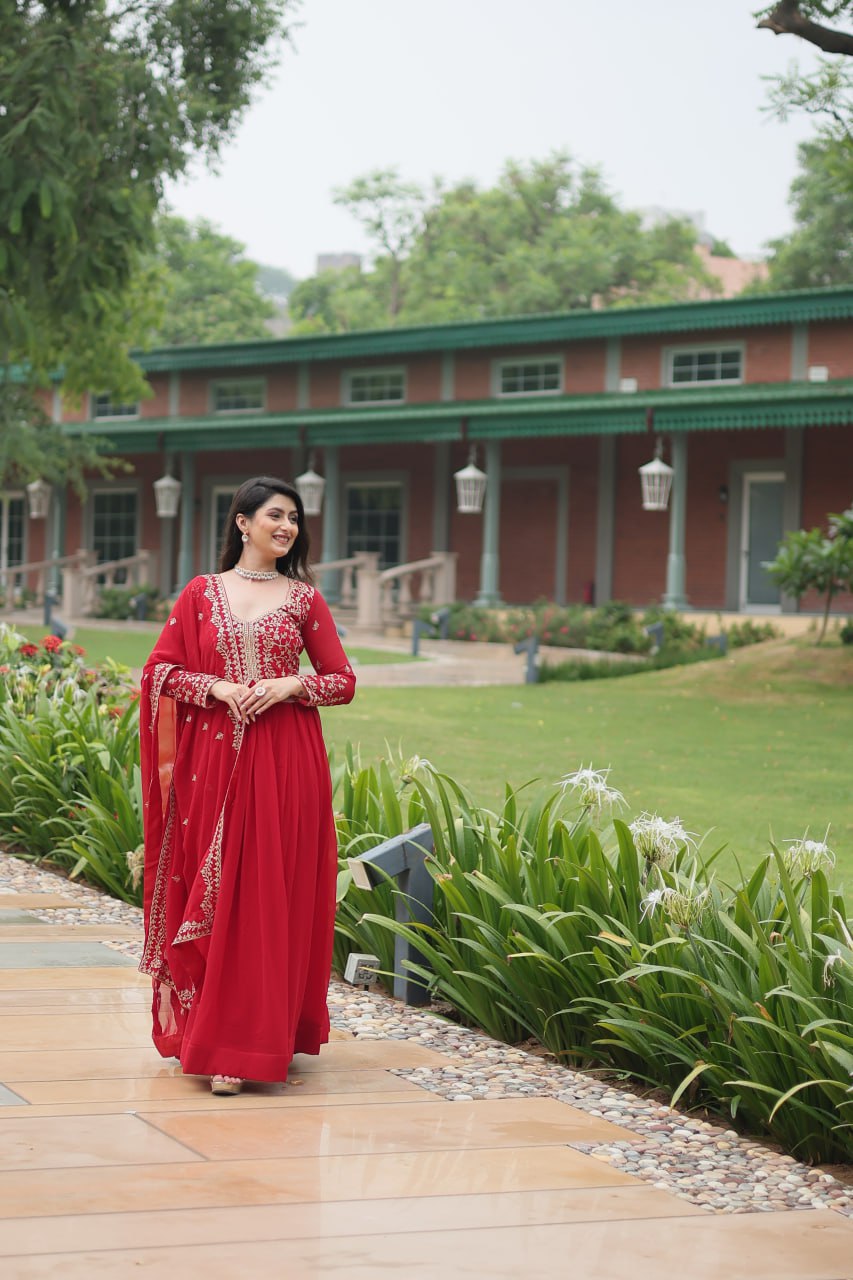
(758, 743)
(132, 647)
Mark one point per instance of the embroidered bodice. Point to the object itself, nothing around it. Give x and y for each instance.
(266, 647)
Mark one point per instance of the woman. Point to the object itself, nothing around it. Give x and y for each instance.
(240, 850)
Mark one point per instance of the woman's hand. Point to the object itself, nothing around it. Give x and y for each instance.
(233, 695)
(266, 693)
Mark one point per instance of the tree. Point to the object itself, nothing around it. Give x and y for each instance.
(828, 92)
(210, 289)
(547, 237)
(810, 560)
(819, 251)
(99, 104)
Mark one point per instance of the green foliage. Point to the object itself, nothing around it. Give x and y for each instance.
(32, 446)
(846, 632)
(102, 104)
(210, 290)
(606, 669)
(735, 997)
(740, 634)
(811, 560)
(69, 746)
(547, 237)
(827, 93)
(819, 251)
(116, 602)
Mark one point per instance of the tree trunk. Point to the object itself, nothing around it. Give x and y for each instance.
(830, 593)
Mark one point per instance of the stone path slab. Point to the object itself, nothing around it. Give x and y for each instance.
(410, 1146)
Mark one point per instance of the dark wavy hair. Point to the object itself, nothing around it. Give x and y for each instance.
(247, 500)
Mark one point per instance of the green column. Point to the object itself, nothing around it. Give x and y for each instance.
(490, 559)
(186, 559)
(330, 582)
(676, 562)
(55, 547)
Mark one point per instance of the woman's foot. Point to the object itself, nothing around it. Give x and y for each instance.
(225, 1085)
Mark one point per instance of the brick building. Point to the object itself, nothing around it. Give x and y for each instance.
(752, 398)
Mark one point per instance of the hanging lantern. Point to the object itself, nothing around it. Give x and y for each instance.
(656, 481)
(38, 498)
(470, 487)
(310, 487)
(167, 496)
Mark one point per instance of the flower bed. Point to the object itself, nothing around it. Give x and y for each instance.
(614, 944)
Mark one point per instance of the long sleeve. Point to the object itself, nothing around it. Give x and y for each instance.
(189, 686)
(333, 680)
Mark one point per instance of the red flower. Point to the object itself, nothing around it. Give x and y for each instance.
(52, 643)
(78, 649)
(28, 650)
(4, 669)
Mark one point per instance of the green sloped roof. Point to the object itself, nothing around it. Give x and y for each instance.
(800, 307)
(780, 404)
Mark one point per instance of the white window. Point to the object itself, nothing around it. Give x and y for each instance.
(537, 377)
(375, 386)
(700, 365)
(105, 407)
(237, 395)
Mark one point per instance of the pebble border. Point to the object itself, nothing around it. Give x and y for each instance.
(701, 1162)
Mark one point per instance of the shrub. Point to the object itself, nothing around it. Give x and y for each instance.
(809, 560)
(846, 632)
(616, 946)
(739, 634)
(117, 602)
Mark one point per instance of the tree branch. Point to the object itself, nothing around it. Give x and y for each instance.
(786, 19)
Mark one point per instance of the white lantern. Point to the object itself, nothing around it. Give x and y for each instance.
(310, 487)
(656, 481)
(167, 495)
(38, 497)
(470, 488)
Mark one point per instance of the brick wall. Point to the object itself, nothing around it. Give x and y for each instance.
(827, 487)
(831, 344)
(157, 406)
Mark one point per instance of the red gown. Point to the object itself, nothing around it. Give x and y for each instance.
(240, 849)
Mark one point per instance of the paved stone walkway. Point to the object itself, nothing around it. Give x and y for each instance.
(410, 1146)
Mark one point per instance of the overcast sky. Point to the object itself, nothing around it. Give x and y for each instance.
(665, 96)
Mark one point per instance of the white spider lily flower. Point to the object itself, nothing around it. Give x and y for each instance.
(804, 857)
(411, 767)
(831, 962)
(592, 790)
(684, 907)
(653, 900)
(658, 841)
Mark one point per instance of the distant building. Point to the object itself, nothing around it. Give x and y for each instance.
(337, 261)
(752, 398)
(733, 273)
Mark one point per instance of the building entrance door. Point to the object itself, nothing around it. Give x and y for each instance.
(761, 532)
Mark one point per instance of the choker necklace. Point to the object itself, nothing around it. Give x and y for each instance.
(256, 575)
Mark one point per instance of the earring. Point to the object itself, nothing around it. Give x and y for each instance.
(245, 537)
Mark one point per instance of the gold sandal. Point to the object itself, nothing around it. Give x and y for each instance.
(225, 1085)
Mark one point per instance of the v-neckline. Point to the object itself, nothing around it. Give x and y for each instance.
(250, 622)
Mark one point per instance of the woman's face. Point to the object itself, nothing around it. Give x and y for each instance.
(274, 527)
